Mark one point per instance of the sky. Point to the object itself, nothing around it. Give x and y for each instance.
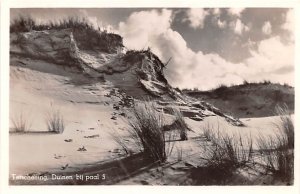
(208, 46)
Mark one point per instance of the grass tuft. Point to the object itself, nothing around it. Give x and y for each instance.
(55, 121)
(227, 153)
(146, 129)
(21, 123)
(180, 124)
(277, 151)
(119, 140)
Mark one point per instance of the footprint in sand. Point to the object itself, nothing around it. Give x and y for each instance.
(122, 114)
(44, 173)
(143, 182)
(64, 167)
(92, 136)
(58, 156)
(82, 149)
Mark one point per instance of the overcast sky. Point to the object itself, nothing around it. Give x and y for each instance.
(208, 47)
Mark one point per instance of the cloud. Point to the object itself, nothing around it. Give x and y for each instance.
(284, 70)
(216, 11)
(142, 28)
(267, 28)
(196, 17)
(235, 11)
(289, 23)
(221, 24)
(189, 69)
(239, 27)
(271, 56)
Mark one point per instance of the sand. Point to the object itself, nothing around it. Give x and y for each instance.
(87, 106)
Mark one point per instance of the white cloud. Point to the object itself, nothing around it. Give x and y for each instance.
(271, 55)
(221, 24)
(195, 69)
(142, 28)
(239, 27)
(289, 21)
(196, 17)
(236, 11)
(216, 11)
(289, 24)
(267, 28)
(249, 44)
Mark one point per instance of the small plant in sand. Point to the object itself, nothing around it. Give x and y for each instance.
(277, 151)
(146, 129)
(225, 152)
(55, 121)
(178, 124)
(21, 123)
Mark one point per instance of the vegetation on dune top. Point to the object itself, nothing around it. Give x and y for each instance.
(223, 87)
(248, 99)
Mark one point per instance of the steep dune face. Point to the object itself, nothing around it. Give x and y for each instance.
(58, 47)
(142, 70)
(138, 73)
(54, 46)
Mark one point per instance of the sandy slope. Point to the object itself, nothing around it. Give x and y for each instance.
(33, 93)
(87, 106)
(38, 87)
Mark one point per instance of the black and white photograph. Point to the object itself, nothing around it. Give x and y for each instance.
(161, 96)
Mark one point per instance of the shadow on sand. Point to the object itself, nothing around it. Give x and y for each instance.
(106, 173)
(33, 133)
